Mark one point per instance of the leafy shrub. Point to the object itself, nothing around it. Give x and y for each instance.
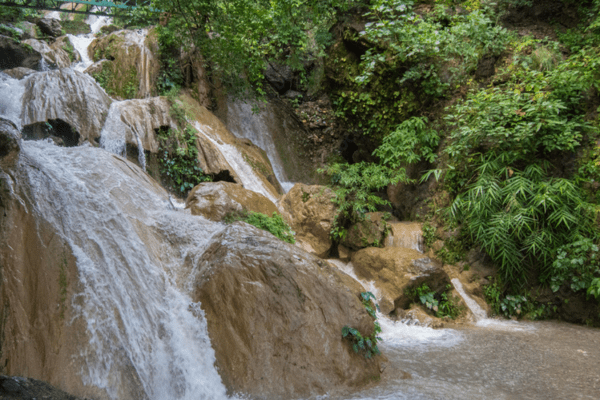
(442, 304)
(577, 265)
(179, 160)
(274, 224)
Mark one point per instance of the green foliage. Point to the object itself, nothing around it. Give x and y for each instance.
(274, 224)
(14, 14)
(411, 142)
(75, 27)
(452, 252)
(237, 37)
(442, 304)
(576, 265)
(117, 83)
(428, 234)
(594, 289)
(9, 31)
(179, 160)
(360, 343)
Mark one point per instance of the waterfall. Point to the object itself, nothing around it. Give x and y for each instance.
(254, 126)
(146, 335)
(11, 98)
(81, 44)
(408, 235)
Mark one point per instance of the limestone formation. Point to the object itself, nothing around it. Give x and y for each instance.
(214, 200)
(55, 56)
(310, 212)
(133, 66)
(395, 269)
(14, 54)
(69, 96)
(275, 315)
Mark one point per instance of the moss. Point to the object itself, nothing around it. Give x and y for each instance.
(117, 83)
(76, 27)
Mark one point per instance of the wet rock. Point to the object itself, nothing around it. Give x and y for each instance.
(395, 269)
(275, 315)
(54, 56)
(64, 43)
(405, 234)
(19, 72)
(369, 232)
(18, 388)
(310, 212)
(29, 31)
(14, 54)
(214, 200)
(9, 143)
(50, 27)
(279, 77)
(133, 66)
(69, 96)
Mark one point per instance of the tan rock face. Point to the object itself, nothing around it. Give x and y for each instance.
(69, 96)
(310, 212)
(133, 67)
(275, 315)
(213, 200)
(395, 269)
(9, 144)
(405, 234)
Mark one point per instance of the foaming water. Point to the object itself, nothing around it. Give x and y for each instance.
(250, 180)
(147, 339)
(11, 98)
(81, 44)
(348, 269)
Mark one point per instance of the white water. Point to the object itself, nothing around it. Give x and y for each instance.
(478, 312)
(81, 44)
(254, 127)
(244, 171)
(130, 244)
(11, 98)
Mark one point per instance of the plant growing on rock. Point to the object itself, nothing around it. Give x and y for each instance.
(360, 343)
(274, 224)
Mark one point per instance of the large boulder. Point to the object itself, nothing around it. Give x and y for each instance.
(10, 146)
(275, 316)
(395, 269)
(18, 388)
(214, 200)
(310, 212)
(68, 96)
(14, 54)
(19, 72)
(370, 231)
(50, 27)
(132, 66)
(55, 56)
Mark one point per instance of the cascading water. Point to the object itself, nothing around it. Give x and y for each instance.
(11, 98)
(147, 338)
(253, 126)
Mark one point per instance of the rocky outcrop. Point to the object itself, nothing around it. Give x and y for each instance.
(310, 212)
(69, 96)
(132, 67)
(275, 315)
(50, 27)
(395, 269)
(214, 200)
(14, 54)
(18, 388)
(369, 232)
(10, 145)
(19, 72)
(55, 56)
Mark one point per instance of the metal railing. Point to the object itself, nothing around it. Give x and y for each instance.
(93, 7)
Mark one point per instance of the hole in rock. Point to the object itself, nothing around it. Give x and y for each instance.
(61, 132)
(223, 176)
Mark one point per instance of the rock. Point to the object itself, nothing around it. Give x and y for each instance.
(279, 77)
(275, 315)
(69, 96)
(56, 57)
(19, 72)
(310, 212)
(214, 200)
(50, 27)
(344, 253)
(369, 232)
(29, 31)
(395, 269)
(14, 54)
(292, 95)
(417, 316)
(18, 388)
(64, 43)
(133, 66)
(10, 145)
